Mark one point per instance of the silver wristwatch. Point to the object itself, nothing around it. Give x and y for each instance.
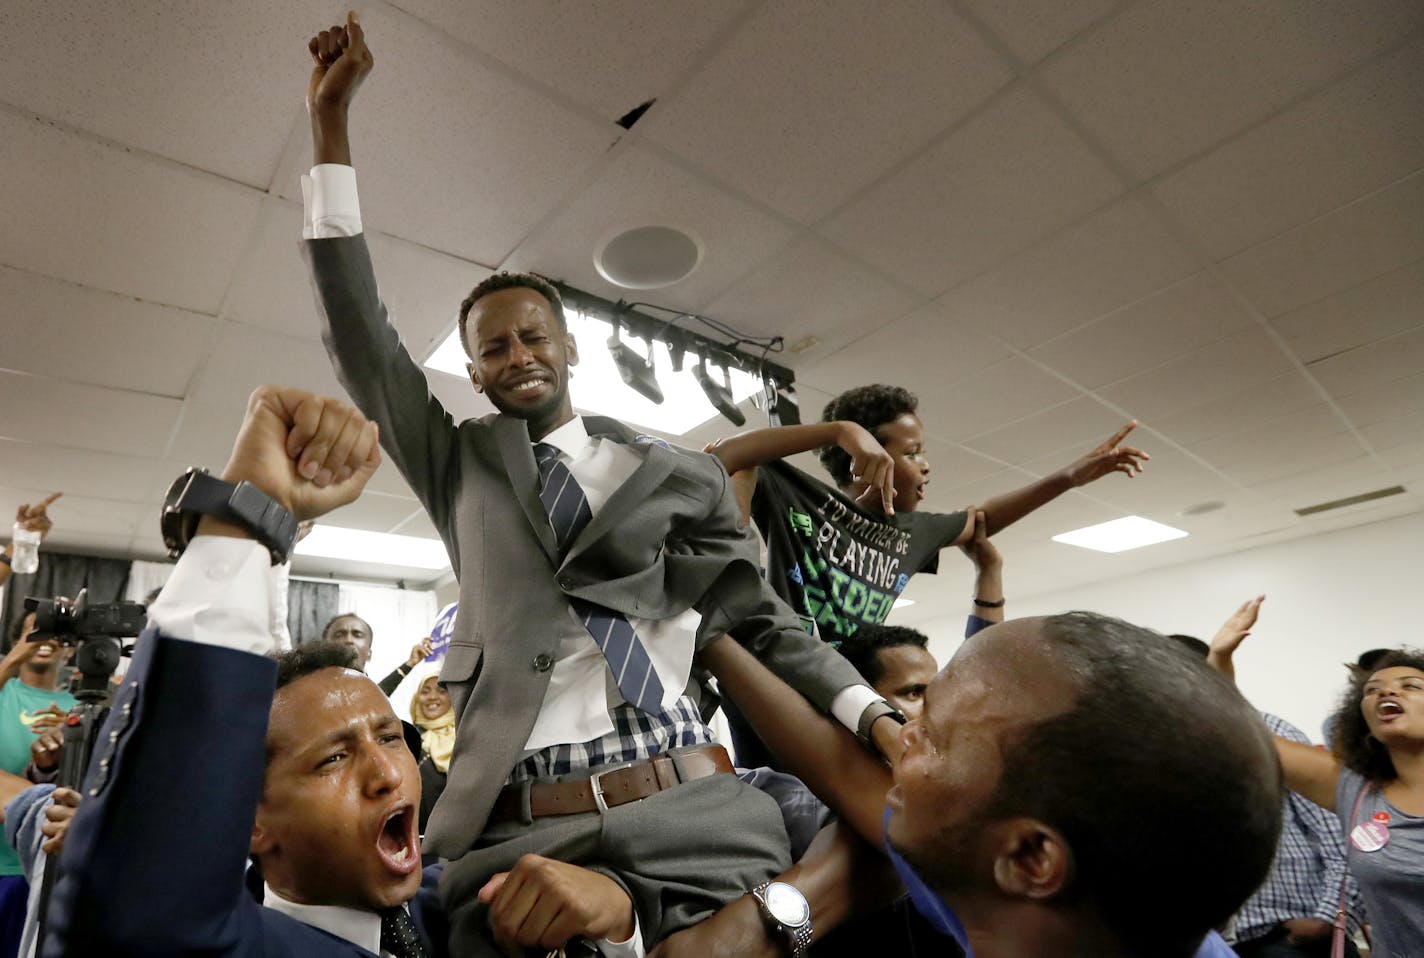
(786, 913)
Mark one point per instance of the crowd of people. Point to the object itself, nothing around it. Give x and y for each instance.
(1069, 785)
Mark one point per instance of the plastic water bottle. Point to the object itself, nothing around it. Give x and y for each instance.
(26, 559)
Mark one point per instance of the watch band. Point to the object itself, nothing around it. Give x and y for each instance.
(196, 494)
(873, 713)
(797, 937)
(988, 604)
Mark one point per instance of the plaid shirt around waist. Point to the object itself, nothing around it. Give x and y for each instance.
(636, 735)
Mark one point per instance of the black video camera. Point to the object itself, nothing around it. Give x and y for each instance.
(96, 629)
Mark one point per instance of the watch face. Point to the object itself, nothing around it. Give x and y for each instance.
(786, 904)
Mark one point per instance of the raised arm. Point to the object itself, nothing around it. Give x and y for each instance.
(1107, 457)
(988, 598)
(1229, 637)
(342, 61)
(870, 463)
(814, 748)
(1310, 771)
(33, 518)
(374, 367)
(198, 694)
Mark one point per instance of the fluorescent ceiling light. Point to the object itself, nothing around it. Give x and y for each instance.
(596, 387)
(903, 603)
(383, 548)
(1129, 532)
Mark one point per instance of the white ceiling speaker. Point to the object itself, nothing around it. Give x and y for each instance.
(648, 257)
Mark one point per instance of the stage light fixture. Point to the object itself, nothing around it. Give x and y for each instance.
(635, 371)
(719, 394)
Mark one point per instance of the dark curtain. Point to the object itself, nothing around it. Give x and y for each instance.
(64, 574)
(310, 605)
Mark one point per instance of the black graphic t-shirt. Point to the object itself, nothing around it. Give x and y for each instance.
(835, 563)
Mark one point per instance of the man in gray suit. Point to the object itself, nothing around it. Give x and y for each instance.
(592, 562)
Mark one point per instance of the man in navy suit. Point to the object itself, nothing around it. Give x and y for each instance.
(214, 750)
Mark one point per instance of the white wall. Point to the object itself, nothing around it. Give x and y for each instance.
(1329, 597)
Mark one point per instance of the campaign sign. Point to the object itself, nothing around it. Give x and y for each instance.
(442, 630)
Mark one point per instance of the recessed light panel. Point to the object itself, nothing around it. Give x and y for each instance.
(383, 548)
(1120, 535)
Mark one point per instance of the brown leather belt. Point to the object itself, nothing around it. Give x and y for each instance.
(619, 786)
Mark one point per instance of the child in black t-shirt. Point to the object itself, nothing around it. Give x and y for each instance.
(840, 556)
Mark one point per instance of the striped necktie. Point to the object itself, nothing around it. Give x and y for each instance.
(398, 935)
(568, 510)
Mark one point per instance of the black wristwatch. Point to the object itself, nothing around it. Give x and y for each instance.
(786, 913)
(873, 713)
(196, 493)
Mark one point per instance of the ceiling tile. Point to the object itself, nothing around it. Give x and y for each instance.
(417, 524)
(247, 357)
(952, 467)
(1078, 423)
(1109, 259)
(1363, 314)
(1364, 367)
(989, 398)
(1408, 457)
(1194, 313)
(1368, 238)
(609, 56)
(1391, 433)
(112, 219)
(85, 417)
(799, 111)
(1236, 409)
(922, 352)
(374, 511)
(422, 288)
(813, 289)
(147, 73)
(1225, 367)
(1032, 29)
(1356, 136)
(83, 516)
(1293, 444)
(642, 188)
(1391, 399)
(454, 154)
(1352, 477)
(127, 343)
(945, 494)
(1212, 66)
(1011, 175)
(80, 472)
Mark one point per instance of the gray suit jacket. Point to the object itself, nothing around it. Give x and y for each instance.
(666, 541)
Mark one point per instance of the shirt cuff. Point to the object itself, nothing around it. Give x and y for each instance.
(632, 948)
(218, 595)
(851, 702)
(329, 202)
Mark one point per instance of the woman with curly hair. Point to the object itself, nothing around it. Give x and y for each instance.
(1373, 779)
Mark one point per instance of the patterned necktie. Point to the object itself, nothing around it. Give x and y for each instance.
(568, 510)
(398, 935)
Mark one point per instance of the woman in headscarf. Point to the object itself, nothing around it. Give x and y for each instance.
(431, 712)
